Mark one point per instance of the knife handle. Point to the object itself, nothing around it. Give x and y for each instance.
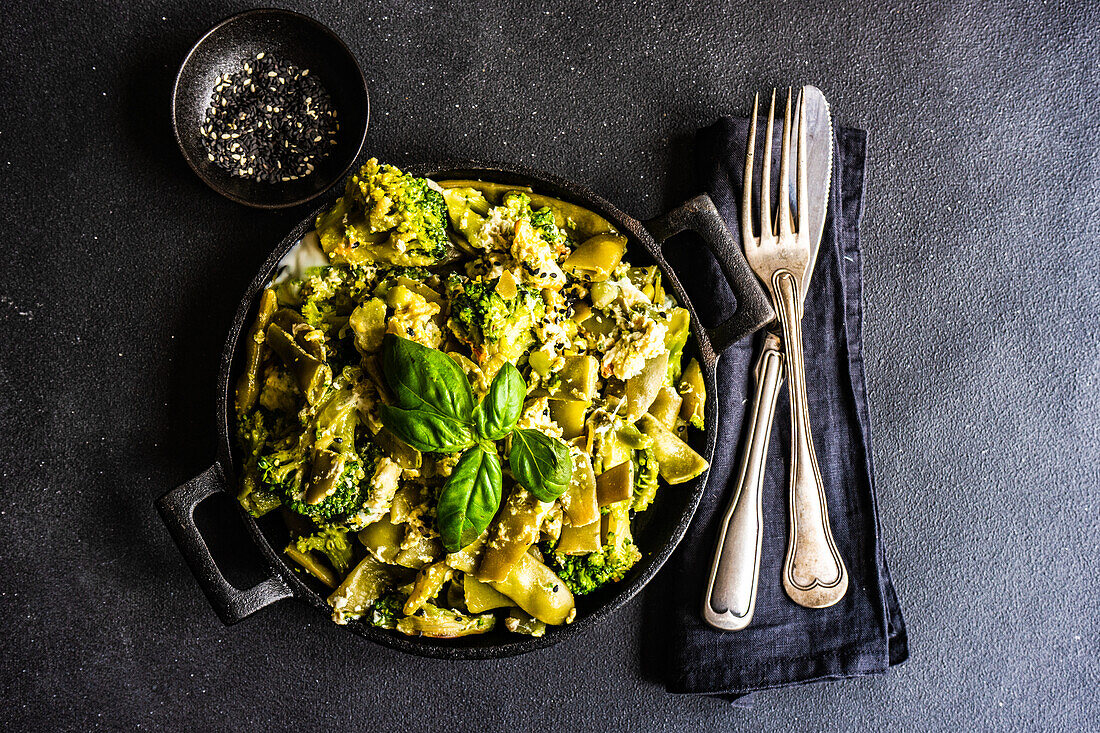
(731, 592)
(814, 576)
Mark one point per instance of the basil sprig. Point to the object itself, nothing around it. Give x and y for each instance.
(435, 411)
(540, 463)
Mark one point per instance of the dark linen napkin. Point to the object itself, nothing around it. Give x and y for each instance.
(787, 644)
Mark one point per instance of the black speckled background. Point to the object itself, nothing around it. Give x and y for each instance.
(982, 266)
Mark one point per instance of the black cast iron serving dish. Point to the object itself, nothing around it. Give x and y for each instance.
(656, 531)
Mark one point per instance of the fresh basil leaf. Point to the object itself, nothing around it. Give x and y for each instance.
(541, 464)
(426, 379)
(470, 498)
(497, 414)
(427, 431)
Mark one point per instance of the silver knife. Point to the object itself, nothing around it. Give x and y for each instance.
(730, 599)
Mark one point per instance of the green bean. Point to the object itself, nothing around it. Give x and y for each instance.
(580, 540)
(312, 566)
(694, 392)
(417, 549)
(569, 414)
(579, 500)
(596, 257)
(615, 484)
(679, 325)
(581, 222)
(616, 523)
(402, 453)
(325, 470)
(642, 388)
(313, 375)
(538, 591)
(666, 406)
(466, 208)
(482, 596)
(429, 581)
(579, 376)
(382, 539)
(494, 192)
(248, 384)
(515, 529)
(678, 462)
(360, 589)
(469, 556)
(443, 623)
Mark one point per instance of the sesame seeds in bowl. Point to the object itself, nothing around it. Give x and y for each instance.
(270, 108)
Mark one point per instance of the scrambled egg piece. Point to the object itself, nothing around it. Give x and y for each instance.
(496, 233)
(626, 357)
(413, 317)
(536, 257)
(536, 415)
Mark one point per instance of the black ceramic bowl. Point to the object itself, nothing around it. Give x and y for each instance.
(297, 40)
(657, 531)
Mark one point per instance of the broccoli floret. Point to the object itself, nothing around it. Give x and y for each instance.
(387, 610)
(585, 573)
(385, 215)
(284, 471)
(543, 220)
(333, 542)
(344, 499)
(252, 437)
(481, 318)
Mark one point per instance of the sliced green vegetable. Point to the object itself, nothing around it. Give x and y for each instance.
(516, 528)
(580, 540)
(678, 462)
(537, 590)
(382, 539)
(368, 323)
(666, 406)
(482, 596)
(642, 388)
(360, 589)
(579, 501)
(443, 623)
(429, 581)
(694, 392)
(248, 384)
(615, 484)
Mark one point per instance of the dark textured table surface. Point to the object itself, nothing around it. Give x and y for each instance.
(982, 266)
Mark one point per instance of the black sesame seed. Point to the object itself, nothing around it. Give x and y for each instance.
(277, 131)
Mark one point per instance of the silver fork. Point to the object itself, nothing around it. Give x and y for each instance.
(813, 572)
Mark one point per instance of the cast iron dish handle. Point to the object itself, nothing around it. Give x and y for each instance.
(753, 306)
(177, 509)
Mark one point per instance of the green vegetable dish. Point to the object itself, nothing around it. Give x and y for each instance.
(458, 394)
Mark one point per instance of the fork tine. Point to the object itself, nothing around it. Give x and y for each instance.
(802, 168)
(746, 195)
(784, 215)
(766, 182)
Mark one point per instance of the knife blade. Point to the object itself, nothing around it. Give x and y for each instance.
(819, 159)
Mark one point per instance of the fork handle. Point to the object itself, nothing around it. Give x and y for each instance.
(731, 592)
(814, 576)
